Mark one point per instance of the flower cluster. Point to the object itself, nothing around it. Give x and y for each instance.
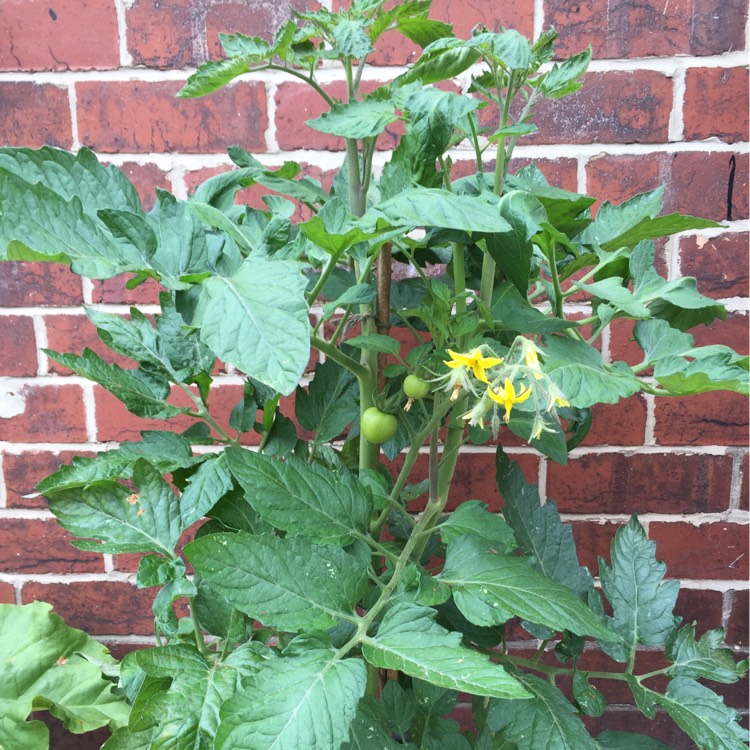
(515, 380)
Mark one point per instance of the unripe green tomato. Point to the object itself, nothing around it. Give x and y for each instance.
(377, 426)
(415, 387)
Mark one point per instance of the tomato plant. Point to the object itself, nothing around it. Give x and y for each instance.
(377, 426)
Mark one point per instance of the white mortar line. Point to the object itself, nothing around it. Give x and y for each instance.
(89, 411)
(538, 19)
(73, 104)
(88, 290)
(67, 578)
(726, 607)
(650, 436)
(272, 145)
(738, 480)
(3, 488)
(126, 59)
(32, 514)
(676, 118)
(737, 517)
(40, 336)
(542, 479)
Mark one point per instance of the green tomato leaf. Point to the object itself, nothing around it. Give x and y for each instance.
(489, 588)
(257, 319)
(143, 392)
(352, 39)
(566, 77)
(512, 250)
(183, 712)
(359, 294)
(375, 342)
(146, 521)
(358, 119)
(38, 224)
(300, 498)
(641, 600)
(166, 452)
(577, 369)
(306, 701)
(262, 577)
(73, 175)
(213, 75)
(512, 311)
(369, 729)
(409, 639)
(47, 663)
(428, 207)
(546, 721)
(329, 405)
(472, 517)
(511, 49)
(701, 714)
(444, 58)
(614, 740)
(539, 529)
(702, 658)
(205, 488)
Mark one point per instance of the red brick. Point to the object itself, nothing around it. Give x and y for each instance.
(562, 173)
(627, 28)
(593, 540)
(745, 486)
(623, 423)
(713, 550)
(38, 284)
(716, 104)
(697, 181)
(61, 739)
(51, 413)
(393, 49)
(140, 116)
(7, 594)
(474, 478)
(731, 332)
(622, 346)
(613, 107)
(738, 627)
(36, 36)
(619, 718)
(717, 418)
(699, 184)
(146, 178)
(23, 471)
(261, 19)
(296, 103)
(18, 345)
(642, 482)
(98, 607)
(703, 606)
(720, 264)
(115, 291)
(34, 115)
(73, 333)
(39, 546)
(115, 422)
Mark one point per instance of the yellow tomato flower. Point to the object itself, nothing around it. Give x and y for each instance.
(507, 396)
(532, 360)
(473, 361)
(556, 400)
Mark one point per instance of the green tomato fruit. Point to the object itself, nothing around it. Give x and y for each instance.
(377, 426)
(415, 387)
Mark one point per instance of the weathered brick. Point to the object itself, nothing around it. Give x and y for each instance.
(713, 550)
(98, 607)
(34, 115)
(38, 284)
(42, 546)
(256, 19)
(745, 486)
(7, 594)
(717, 418)
(23, 471)
(141, 116)
(739, 626)
(716, 104)
(46, 413)
(645, 482)
(474, 479)
(623, 423)
(562, 172)
(697, 181)
(630, 719)
(296, 103)
(18, 345)
(146, 178)
(628, 28)
(62, 739)
(593, 539)
(72, 334)
(115, 291)
(720, 264)
(730, 332)
(35, 35)
(611, 107)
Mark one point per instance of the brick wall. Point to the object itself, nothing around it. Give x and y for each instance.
(666, 101)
